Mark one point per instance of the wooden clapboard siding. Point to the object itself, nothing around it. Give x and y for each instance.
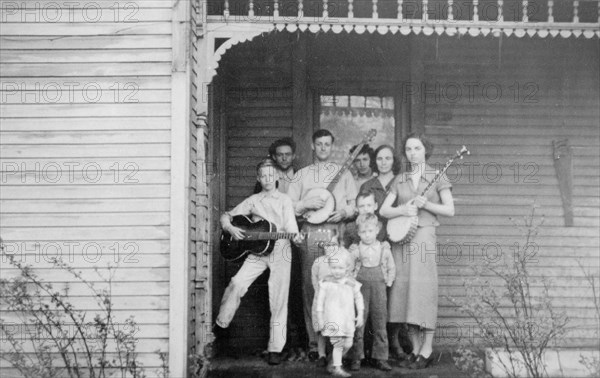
(86, 140)
(558, 97)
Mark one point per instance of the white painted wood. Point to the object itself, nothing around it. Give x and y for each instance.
(180, 162)
(85, 29)
(125, 130)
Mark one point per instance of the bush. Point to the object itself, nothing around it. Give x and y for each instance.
(53, 338)
(516, 317)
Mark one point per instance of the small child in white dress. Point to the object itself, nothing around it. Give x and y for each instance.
(339, 308)
(320, 270)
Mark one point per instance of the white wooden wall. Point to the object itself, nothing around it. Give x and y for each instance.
(86, 117)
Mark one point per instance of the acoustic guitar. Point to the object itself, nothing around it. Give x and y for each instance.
(319, 216)
(259, 238)
(402, 229)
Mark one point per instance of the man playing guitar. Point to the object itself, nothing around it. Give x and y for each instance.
(277, 208)
(319, 175)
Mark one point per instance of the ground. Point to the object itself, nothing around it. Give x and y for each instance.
(255, 367)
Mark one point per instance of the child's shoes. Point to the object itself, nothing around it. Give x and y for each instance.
(337, 371)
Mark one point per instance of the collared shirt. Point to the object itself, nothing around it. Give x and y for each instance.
(350, 235)
(404, 190)
(320, 175)
(376, 254)
(275, 207)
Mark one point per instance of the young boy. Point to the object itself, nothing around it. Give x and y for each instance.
(277, 208)
(365, 203)
(374, 269)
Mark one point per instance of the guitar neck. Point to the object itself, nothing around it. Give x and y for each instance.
(270, 235)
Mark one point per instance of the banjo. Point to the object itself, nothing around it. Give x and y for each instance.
(321, 215)
(402, 229)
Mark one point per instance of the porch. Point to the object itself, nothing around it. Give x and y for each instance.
(256, 367)
(269, 69)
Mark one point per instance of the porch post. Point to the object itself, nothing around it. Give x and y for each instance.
(302, 128)
(180, 186)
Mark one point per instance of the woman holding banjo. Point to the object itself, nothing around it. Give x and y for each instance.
(413, 298)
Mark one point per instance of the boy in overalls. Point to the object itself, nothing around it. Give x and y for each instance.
(374, 269)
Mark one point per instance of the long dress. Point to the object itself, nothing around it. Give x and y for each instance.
(413, 297)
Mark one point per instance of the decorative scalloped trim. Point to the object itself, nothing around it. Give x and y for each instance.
(439, 30)
(473, 31)
(237, 38)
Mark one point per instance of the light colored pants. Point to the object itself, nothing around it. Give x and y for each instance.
(279, 263)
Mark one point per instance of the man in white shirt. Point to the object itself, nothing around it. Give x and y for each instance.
(319, 175)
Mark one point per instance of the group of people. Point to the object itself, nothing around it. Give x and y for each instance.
(357, 277)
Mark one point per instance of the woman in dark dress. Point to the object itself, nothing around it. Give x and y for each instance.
(387, 166)
(413, 298)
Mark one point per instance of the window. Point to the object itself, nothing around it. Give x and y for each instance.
(349, 118)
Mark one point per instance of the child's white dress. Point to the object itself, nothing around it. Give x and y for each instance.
(339, 302)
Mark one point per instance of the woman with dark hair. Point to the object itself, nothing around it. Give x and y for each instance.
(413, 298)
(386, 167)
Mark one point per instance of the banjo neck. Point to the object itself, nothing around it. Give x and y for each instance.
(438, 175)
(348, 162)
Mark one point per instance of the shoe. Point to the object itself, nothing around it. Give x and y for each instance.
(408, 361)
(330, 368)
(398, 354)
(355, 365)
(421, 362)
(381, 365)
(322, 362)
(313, 356)
(337, 371)
(274, 358)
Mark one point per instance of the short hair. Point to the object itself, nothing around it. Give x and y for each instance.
(420, 136)
(367, 219)
(396, 162)
(365, 194)
(366, 149)
(287, 141)
(265, 163)
(322, 133)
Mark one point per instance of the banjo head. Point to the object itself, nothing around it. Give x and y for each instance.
(320, 215)
(401, 229)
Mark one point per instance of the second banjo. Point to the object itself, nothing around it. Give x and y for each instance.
(401, 229)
